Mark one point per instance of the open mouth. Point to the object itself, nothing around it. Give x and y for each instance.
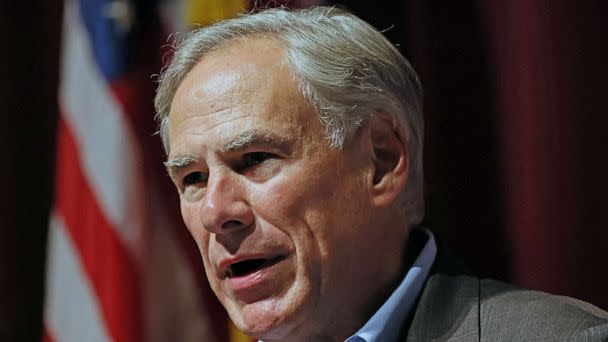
(249, 266)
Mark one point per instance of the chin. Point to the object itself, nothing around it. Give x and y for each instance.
(269, 319)
(260, 320)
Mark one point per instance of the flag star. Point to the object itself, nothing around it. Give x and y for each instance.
(121, 12)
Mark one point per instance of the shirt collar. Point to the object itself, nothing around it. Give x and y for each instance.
(386, 323)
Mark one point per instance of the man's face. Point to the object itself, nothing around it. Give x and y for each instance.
(283, 222)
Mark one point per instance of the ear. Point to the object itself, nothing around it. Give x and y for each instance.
(390, 159)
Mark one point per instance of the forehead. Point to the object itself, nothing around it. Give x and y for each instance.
(243, 86)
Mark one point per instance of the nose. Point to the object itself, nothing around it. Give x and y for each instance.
(224, 208)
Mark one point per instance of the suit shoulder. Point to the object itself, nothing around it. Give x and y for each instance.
(512, 314)
(447, 310)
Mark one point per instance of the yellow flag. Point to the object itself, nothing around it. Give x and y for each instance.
(205, 12)
(237, 336)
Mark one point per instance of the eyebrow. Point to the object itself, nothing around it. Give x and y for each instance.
(179, 162)
(250, 138)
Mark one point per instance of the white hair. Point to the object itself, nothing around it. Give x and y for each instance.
(346, 68)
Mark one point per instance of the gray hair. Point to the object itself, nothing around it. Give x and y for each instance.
(346, 68)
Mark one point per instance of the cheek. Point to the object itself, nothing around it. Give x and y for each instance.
(188, 214)
(302, 206)
(276, 201)
(295, 192)
(192, 221)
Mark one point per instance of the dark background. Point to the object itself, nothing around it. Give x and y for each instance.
(515, 156)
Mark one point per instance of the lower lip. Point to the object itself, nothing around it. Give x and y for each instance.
(253, 286)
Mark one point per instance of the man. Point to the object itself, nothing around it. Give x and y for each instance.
(295, 142)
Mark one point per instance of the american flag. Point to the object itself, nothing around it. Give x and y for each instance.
(118, 266)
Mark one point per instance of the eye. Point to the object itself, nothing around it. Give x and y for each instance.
(255, 158)
(194, 178)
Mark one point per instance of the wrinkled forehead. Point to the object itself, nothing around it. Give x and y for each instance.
(240, 69)
(243, 87)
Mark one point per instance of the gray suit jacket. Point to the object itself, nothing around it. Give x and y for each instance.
(465, 308)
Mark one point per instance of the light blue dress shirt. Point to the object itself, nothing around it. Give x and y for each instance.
(385, 325)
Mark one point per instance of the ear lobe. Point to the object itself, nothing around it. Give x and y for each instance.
(389, 144)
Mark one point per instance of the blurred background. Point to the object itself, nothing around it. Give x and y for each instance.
(92, 246)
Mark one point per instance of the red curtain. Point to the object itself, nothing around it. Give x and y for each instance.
(516, 114)
(550, 71)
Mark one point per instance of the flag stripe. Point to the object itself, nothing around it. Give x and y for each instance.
(105, 259)
(71, 312)
(108, 150)
(46, 335)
